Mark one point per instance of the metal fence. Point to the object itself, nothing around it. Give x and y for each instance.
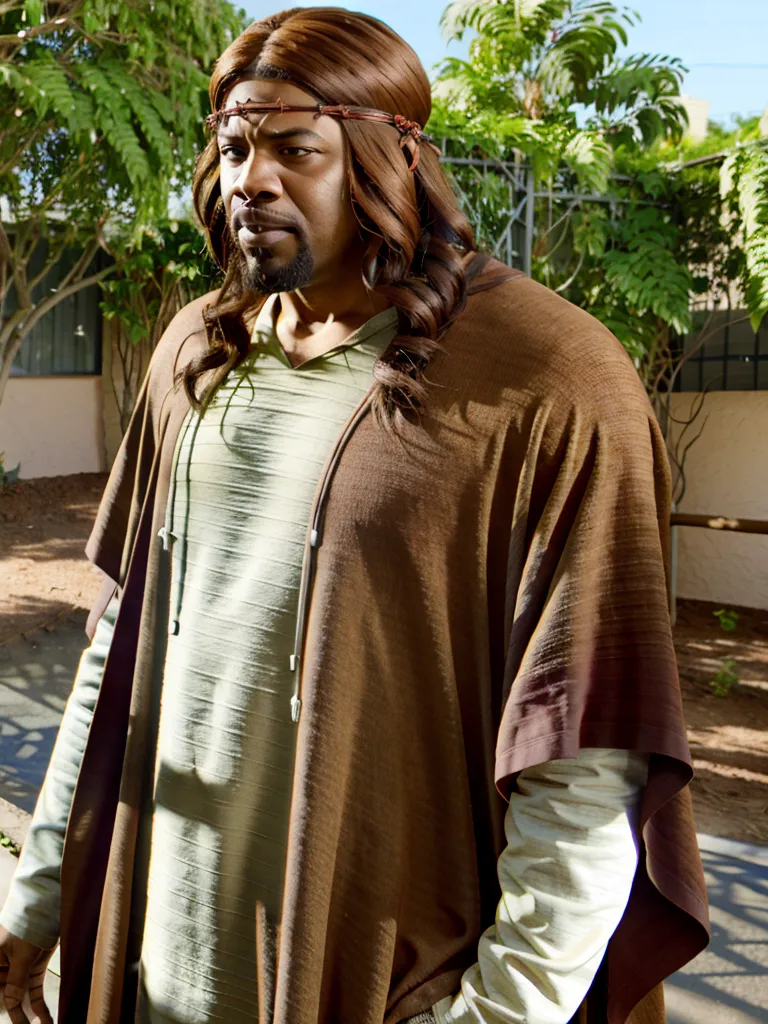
(513, 240)
(733, 358)
(730, 356)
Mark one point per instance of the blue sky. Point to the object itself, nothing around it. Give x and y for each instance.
(725, 46)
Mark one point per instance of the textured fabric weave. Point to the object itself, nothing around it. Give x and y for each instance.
(565, 877)
(501, 563)
(244, 480)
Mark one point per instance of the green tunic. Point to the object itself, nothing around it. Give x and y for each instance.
(245, 478)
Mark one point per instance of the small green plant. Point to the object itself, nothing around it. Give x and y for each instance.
(10, 845)
(7, 476)
(728, 619)
(727, 679)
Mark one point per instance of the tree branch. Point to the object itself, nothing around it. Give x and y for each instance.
(56, 24)
(29, 241)
(7, 252)
(574, 275)
(8, 329)
(62, 293)
(48, 267)
(31, 139)
(77, 271)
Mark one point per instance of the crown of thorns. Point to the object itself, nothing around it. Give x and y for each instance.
(408, 129)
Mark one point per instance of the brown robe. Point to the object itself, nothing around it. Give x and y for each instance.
(488, 595)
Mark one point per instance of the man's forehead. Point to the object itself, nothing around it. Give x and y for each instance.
(264, 90)
(259, 90)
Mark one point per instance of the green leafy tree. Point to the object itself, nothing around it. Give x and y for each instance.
(633, 220)
(546, 86)
(744, 190)
(545, 79)
(104, 101)
(633, 263)
(159, 272)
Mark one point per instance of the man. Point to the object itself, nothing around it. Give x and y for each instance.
(352, 608)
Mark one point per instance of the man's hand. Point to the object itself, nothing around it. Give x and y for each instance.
(22, 971)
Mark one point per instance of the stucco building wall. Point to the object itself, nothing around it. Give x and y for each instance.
(727, 474)
(53, 425)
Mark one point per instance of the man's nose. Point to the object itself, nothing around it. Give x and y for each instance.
(260, 178)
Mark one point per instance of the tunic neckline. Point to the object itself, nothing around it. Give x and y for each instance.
(265, 334)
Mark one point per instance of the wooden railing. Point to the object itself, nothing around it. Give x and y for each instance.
(720, 523)
(723, 523)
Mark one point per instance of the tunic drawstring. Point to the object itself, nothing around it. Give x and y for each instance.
(168, 538)
(166, 533)
(315, 540)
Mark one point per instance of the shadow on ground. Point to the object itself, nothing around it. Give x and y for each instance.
(29, 613)
(36, 675)
(728, 982)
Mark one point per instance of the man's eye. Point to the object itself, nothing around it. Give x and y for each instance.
(233, 152)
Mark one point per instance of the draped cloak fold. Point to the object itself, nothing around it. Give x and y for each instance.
(489, 594)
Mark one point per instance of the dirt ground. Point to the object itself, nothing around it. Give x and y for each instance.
(728, 735)
(45, 523)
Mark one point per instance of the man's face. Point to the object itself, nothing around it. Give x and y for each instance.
(299, 227)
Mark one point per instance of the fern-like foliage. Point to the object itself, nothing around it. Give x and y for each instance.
(547, 82)
(103, 95)
(103, 105)
(544, 77)
(744, 186)
(644, 269)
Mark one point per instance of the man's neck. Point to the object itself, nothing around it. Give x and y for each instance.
(317, 319)
(309, 312)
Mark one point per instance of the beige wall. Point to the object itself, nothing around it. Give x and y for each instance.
(52, 425)
(727, 473)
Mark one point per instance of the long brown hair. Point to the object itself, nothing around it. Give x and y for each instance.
(419, 237)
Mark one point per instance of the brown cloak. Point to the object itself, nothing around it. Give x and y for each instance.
(489, 595)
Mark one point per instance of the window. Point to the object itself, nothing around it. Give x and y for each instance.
(732, 358)
(67, 340)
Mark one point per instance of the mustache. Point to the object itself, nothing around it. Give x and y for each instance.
(246, 216)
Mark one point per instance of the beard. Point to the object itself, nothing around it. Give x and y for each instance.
(264, 273)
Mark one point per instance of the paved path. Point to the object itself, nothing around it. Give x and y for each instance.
(36, 674)
(727, 984)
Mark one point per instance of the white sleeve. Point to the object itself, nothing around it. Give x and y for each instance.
(32, 908)
(565, 878)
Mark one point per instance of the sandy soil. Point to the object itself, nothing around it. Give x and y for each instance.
(728, 735)
(45, 523)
